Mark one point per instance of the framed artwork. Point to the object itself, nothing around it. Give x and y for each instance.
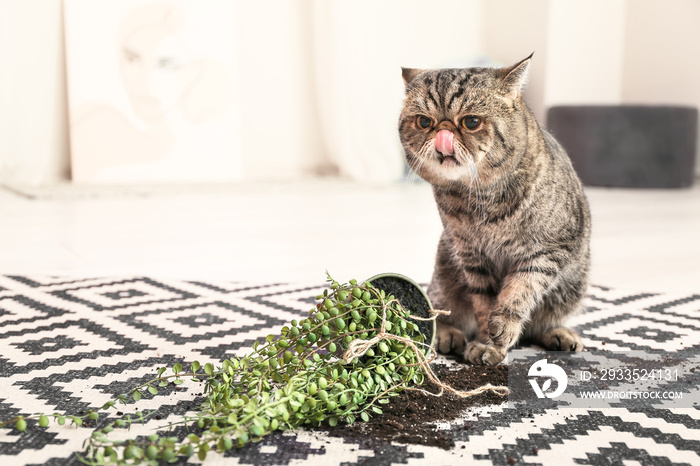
(151, 91)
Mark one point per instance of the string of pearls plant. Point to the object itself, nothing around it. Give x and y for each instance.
(357, 348)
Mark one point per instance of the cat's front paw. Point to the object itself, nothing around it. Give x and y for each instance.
(449, 339)
(483, 354)
(561, 339)
(504, 328)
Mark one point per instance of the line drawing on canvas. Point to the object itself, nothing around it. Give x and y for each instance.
(169, 88)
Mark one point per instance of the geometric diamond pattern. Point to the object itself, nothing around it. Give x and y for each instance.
(69, 345)
(124, 293)
(640, 321)
(197, 322)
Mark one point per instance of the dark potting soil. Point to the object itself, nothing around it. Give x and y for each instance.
(412, 417)
(410, 298)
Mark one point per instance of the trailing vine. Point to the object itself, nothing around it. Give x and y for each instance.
(356, 349)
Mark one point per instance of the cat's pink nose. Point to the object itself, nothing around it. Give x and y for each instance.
(443, 142)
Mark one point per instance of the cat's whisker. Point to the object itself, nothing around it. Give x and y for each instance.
(422, 156)
(481, 208)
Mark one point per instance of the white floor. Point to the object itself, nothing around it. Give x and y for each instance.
(642, 240)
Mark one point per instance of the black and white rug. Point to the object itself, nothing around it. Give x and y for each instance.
(69, 345)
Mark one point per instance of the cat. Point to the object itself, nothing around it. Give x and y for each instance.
(513, 259)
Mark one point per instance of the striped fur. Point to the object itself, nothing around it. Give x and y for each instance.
(513, 260)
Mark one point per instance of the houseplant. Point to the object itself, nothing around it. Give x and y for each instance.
(358, 347)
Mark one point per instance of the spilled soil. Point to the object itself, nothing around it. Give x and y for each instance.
(412, 417)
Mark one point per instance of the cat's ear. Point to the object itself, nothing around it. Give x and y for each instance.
(514, 78)
(409, 73)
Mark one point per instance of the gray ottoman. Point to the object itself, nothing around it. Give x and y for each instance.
(628, 146)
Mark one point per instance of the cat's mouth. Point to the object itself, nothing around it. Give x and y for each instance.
(448, 160)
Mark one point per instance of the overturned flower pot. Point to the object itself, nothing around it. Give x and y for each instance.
(411, 296)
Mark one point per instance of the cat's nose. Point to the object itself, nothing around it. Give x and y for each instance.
(443, 142)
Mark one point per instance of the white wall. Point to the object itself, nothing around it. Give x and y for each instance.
(585, 49)
(360, 47)
(278, 114)
(33, 111)
(526, 26)
(637, 52)
(662, 52)
(662, 55)
(320, 79)
(275, 88)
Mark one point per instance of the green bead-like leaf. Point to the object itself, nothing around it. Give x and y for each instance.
(21, 425)
(151, 452)
(167, 454)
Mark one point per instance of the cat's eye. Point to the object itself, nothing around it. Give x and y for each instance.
(424, 122)
(471, 122)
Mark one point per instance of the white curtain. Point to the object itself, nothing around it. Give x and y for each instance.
(319, 87)
(359, 49)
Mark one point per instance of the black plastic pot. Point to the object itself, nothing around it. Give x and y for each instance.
(411, 296)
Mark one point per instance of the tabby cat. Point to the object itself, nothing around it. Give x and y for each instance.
(513, 259)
